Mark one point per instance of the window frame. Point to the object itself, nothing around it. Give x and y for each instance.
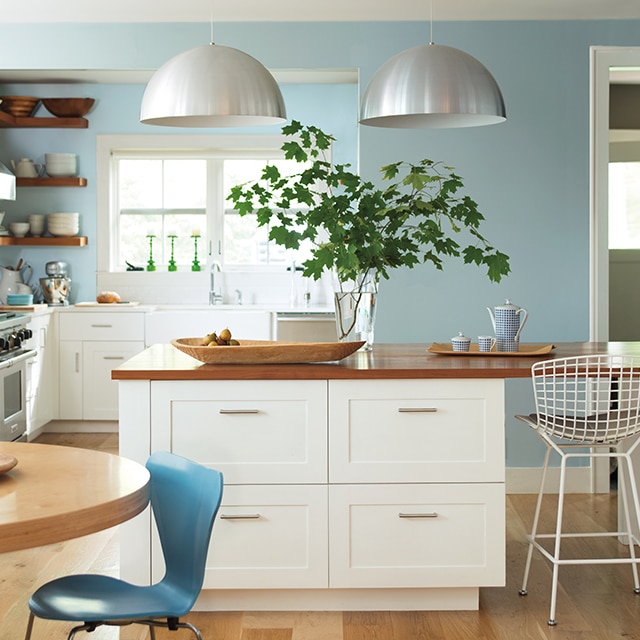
(217, 146)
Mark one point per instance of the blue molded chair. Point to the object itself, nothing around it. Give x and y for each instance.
(185, 498)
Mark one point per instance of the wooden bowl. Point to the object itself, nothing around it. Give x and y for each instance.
(19, 106)
(68, 107)
(266, 351)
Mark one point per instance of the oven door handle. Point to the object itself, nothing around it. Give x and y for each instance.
(21, 357)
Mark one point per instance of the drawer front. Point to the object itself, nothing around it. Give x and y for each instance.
(254, 432)
(269, 537)
(416, 431)
(417, 535)
(102, 326)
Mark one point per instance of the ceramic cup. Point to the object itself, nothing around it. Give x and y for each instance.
(460, 342)
(486, 343)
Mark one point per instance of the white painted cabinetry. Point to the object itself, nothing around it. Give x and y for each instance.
(42, 390)
(344, 493)
(91, 345)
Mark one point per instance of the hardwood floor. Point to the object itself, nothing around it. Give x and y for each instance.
(594, 603)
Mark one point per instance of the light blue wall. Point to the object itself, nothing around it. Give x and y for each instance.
(529, 175)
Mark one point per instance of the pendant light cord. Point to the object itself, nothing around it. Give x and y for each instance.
(431, 22)
(211, 23)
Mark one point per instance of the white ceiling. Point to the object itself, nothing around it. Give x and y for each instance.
(35, 11)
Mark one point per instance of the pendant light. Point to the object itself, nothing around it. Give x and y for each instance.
(212, 86)
(432, 86)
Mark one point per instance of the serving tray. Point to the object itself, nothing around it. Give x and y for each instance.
(446, 349)
(266, 351)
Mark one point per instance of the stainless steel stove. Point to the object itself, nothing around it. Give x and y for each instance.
(14, 353)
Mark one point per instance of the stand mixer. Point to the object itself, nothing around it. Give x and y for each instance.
(56, 287)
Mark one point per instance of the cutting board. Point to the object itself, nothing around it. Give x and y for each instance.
(23, 307)
(106, 304)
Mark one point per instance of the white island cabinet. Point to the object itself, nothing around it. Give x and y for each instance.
(339, 493)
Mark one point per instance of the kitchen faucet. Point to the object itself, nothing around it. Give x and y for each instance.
(215, 296)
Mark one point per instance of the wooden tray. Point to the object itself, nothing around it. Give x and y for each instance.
(7, 462)
(266, 351)
(446, 349)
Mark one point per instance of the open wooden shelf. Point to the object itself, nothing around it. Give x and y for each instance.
(51, 182)
(75, 241)
(11, 122)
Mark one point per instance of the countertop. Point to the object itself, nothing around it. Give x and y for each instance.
(386, 361)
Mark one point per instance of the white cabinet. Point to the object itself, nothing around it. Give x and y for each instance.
(91, 345)
(270, 442)
(345, 493)
(42, 391)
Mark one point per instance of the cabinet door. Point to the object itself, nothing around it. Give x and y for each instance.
(41, 374)
(429, 535)
(70, 382)
(100, 397)
(268, 431)
(269, 537)
(416, 431)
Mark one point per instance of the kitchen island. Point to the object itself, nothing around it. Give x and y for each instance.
(376, 482)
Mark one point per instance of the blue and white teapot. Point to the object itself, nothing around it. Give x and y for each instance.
(508, 321)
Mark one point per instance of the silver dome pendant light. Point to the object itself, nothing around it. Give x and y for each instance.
(212, 86)
(432, 86)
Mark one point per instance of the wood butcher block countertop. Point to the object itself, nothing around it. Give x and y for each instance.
(386, 361)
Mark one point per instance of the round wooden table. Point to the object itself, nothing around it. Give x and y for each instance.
(56, 493)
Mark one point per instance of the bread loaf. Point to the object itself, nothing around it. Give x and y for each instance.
(107, 296)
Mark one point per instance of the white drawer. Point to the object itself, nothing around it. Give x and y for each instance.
(253, 432)
(417, 535)
(269, 537)
(102, 326)
(416, 431)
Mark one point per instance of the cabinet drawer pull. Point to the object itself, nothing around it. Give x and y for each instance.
(238, 411)
(417, 410)
(240, 516)
(433, 514)
(102, 326)
(113, 358)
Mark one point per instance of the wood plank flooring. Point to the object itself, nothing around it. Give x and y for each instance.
(594, 603)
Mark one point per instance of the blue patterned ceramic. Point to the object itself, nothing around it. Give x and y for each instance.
(507, 325)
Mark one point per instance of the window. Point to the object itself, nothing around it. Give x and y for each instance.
(164, 187)
(624, 205)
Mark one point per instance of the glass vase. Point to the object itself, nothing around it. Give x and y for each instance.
(355, 305)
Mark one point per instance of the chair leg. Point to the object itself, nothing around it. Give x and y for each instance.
(625, 471)
(534, 528)
(552, 622)
(29, 626)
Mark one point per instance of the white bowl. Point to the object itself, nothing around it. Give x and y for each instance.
(64, 233)
(19, 229)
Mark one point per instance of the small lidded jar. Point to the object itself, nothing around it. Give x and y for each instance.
(460, 342)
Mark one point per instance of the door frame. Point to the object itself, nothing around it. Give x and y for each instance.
(602, 59)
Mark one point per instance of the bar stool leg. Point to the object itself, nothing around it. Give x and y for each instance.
(534, 528)
(625, 470)
(552, 622)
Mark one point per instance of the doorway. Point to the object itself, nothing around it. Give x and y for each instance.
(604, 61)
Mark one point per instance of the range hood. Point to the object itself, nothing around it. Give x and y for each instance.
(7, 184)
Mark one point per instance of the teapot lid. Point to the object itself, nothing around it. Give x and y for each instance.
(507, 306)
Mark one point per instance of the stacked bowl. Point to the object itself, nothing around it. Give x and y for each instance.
(60, 165)
(63, 224)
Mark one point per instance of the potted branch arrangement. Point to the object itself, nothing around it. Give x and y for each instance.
(360, 231)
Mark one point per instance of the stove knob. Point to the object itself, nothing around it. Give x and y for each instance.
(24, 334)
(4, 343)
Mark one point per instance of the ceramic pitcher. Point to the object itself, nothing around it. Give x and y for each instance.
(10, 280)
(508, 320)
